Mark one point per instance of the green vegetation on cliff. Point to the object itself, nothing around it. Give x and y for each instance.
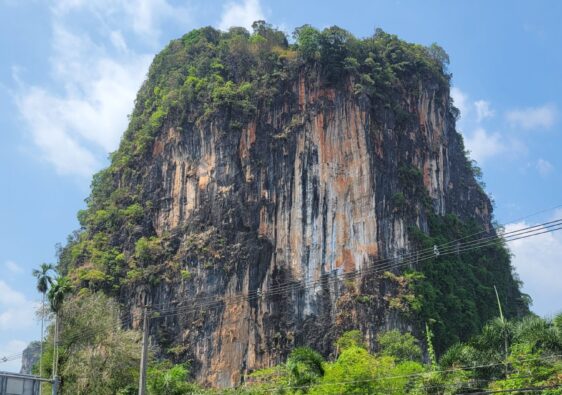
(454, 286)
(208, 73)
(209, 77)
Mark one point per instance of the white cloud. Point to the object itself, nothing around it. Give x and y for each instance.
(483, 110)
(118, 40)
(533, 117)
(241, 14)
(143, 17)
(544, 167)
(483, 145)
(537, 261)
(16, 311)
(13, 267)
(84, 121)
(147, 15)
(461, 101)
(9, 296)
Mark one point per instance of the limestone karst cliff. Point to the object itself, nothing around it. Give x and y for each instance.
(255, 175)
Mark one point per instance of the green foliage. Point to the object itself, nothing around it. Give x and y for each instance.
(44, 280)
(336, 44)
(457, 292)
(185, 274)
(404, 298)
(399, 200)
(307, 42)
(207, 76)
(401, 346)
(134, 212)
(58, 292)
(409, 175)
(430, 349)
(533, 359)
(148, 250)
(91, 275)
(163, 378)
(96, 356)
(413, 188)
(529, 368)
(438, 54)
(356, 367)
(398, 368)
(356, 371)
(349, 339)
(305, 366)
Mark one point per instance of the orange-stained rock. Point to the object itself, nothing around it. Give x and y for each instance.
(268, 217)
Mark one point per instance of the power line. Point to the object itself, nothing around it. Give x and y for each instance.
(214, 302)
(526, 389)
(404, 260)
(387, 265)
(427, 373)
(446, 246)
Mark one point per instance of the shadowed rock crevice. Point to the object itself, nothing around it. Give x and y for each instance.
(261, 182)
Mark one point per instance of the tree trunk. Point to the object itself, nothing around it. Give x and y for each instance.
(42, 339)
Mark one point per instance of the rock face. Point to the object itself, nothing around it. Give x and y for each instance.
(30, 357)
(301, 194)
(258, 228)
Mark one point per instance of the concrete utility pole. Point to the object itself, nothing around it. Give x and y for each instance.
(144, 354)
(55, 356)
(504, 324)
(55, 385)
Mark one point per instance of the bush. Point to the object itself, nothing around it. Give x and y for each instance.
(163, 378)
(402, 346)
(148, 250)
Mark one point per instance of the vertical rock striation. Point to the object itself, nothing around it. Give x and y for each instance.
(256, 223)
(300, 202)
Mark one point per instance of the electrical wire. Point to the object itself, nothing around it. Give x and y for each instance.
(406, 376)
(380, 265)
(410, 258)
(520, 390)
(300, 286)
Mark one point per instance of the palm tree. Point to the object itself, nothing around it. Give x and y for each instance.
(305, 366)
(43, 282)
(60, 288)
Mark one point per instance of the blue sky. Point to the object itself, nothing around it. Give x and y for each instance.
(70, 70)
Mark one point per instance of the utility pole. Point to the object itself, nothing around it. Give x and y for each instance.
(144, 353)
(42, 341)
(55, 381)
(55, 385)
(504, 324)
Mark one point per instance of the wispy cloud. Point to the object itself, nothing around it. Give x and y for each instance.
(483, 145)
(533, 117)
(16, 311)
(461, 101)
(13, 267)
(537, 260)
(98, 76)
(483, 110)
(241, 14)
(544, 167)
(143, 17)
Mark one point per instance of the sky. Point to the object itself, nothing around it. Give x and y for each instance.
(70, 70)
